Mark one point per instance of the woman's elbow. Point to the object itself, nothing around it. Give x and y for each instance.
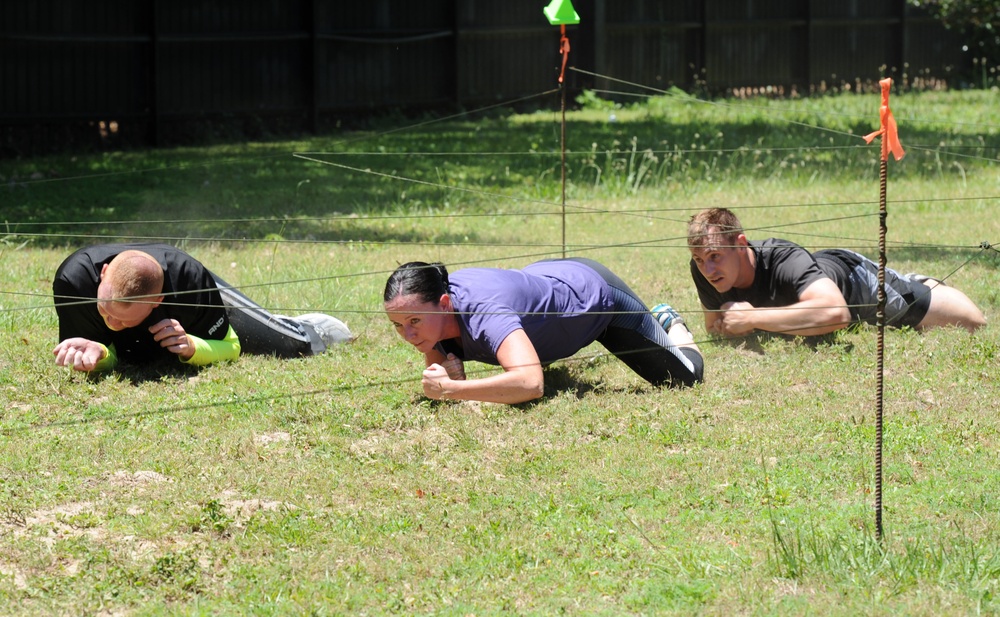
(521, 395)
(537, 392)
(533, 389)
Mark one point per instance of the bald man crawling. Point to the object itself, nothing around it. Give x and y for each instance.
(147, 302)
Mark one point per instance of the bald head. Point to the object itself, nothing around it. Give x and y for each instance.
(131, 274)
(131, 287)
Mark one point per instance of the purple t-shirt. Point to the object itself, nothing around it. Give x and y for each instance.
(561, 305)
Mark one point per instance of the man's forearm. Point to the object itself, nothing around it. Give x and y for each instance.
(800, 319)
(208, 351)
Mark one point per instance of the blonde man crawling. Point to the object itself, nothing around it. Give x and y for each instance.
(777, 286)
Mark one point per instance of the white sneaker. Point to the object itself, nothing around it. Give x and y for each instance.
(667, 316)
(923, 278)
(331, 330)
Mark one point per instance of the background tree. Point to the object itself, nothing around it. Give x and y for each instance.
(979, 23)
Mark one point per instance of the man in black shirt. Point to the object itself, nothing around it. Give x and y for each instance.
(778, 286)
(145, 302)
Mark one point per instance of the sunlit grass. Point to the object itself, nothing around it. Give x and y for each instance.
(328, 485)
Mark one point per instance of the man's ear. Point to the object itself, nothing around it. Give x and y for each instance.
(741, 240)
(104, 269)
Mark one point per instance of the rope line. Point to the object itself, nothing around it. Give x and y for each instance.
(366, 137)
(376, 217)
(578, 209)
(683, 96)
(955, 154)
(229, 401)
(983, 246)
(460, 189)
(691, 99)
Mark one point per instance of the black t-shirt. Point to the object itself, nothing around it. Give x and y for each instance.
(784, 270)
(190, 296)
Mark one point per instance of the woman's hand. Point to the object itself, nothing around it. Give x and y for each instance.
(454, 366)
(435, 381)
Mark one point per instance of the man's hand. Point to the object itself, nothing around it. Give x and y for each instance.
(170, 334)
(78, 353)
(735, 319)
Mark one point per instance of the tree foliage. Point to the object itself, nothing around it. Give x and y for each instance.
(979, 20)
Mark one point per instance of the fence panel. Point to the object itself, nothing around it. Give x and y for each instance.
(742, 11)
(930, 51)
(754, 54)
(379, 74)
(385, 53)
(231, 57)
(66, 60)
(505, 50)
(653, 44)
(144, 62)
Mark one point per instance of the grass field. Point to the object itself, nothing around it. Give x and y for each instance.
(329, 485)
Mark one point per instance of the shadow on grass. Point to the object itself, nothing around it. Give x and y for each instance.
(469, 166)
(758, 341)
(559, 379)
(157, 371)
(925, 254)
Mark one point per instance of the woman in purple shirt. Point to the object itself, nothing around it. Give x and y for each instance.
(525, 319)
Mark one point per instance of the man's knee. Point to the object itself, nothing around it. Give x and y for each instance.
(951, 307)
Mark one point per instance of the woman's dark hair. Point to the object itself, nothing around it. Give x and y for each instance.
(428, 281)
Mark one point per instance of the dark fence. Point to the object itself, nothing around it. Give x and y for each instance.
(160, 71)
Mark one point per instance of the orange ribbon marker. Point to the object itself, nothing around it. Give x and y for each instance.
(890, 138)
(564, 50)
(561, 13)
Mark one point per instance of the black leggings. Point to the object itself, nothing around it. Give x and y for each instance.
(262, 333)
(637, 339)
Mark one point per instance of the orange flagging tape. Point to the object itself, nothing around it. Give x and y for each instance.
(890, 138)
(564, 50)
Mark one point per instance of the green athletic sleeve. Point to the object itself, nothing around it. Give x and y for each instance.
(109, 360)
(207, 351)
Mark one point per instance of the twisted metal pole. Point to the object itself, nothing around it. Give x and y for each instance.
(890, 143)
(880, 345)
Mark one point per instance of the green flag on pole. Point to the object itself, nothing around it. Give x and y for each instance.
(561, 13)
